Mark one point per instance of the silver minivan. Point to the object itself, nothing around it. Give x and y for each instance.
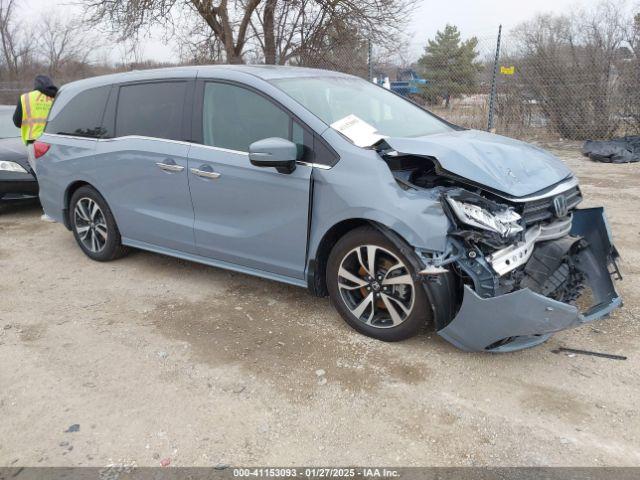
(326, 181)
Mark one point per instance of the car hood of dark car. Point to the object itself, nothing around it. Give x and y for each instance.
(13, 150)
(499, 163)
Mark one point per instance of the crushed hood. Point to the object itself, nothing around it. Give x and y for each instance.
(499, 163)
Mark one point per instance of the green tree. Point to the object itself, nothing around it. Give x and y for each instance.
(449, 65)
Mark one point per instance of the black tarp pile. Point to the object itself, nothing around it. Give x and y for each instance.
(619, 150)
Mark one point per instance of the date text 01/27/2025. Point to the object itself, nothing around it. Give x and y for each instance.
(316, 472)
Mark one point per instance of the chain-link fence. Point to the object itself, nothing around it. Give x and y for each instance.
(522, 89)
(531, 85)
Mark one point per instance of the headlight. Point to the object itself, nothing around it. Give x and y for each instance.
(11, 167)
(503, 222)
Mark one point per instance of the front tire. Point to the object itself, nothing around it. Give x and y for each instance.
(373, 287)
(94, 227)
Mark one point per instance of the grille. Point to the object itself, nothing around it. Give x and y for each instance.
(540, 210)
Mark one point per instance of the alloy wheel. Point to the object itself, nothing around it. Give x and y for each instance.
(90, 224)
(376, 286)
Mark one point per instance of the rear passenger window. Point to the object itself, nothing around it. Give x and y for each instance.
(82, 115)
(234, 117)
(151, 110)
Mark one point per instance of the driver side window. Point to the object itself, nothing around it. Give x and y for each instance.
(234, 117)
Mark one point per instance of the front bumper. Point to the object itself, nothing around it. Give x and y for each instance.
(523, 318)
(18, 185)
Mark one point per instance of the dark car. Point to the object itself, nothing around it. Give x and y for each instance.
(17, 179)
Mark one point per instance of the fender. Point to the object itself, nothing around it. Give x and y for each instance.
(436, 241)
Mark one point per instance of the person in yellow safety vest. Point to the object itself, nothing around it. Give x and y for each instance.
(31, 112)
(31, 115)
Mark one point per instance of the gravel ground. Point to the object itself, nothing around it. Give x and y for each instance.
(151, 359)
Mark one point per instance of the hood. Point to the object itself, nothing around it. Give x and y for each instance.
(45, 85)
(13, 150)
(499, 163)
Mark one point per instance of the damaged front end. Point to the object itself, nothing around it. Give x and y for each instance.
(518, 296)
(527, 267)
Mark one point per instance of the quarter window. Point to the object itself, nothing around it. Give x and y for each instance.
(234, 117)
(151, 110)
(304, 141)
(82, 115)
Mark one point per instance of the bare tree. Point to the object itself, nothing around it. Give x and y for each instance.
(567, 64)
(16, 40)
(338, 47)
(282, 30)
(227, 20)
(199, 46)
(305, 30)
(629, 68)
(197, 43)
(131, 52)
(63, 41)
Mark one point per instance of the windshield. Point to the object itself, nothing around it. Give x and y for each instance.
(334, 98)
(7, 128)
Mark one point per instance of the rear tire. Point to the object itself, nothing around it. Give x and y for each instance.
(373, 287)
(94, 227)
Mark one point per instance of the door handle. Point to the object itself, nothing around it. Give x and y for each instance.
(170, 167)
(205, 173)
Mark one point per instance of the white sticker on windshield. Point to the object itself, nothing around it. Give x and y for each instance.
(357, 130)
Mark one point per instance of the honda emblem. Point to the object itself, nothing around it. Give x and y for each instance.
(560, 206)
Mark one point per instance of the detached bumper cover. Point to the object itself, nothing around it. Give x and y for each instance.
(524, 318)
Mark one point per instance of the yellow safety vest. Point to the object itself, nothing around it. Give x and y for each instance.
(35, 109)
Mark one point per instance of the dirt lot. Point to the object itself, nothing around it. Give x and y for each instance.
(156, 358)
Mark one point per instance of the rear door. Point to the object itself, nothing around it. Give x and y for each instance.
(246, 215)
(72, 130)
(144, 165)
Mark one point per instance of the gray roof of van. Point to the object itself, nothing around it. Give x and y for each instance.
(270, 72)
(264, 72)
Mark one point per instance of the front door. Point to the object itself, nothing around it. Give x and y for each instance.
(246, 215)
(145, 166)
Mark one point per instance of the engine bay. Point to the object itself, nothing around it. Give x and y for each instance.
(523, 260)
(499, 246)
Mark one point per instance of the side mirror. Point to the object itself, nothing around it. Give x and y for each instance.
(274, 152)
